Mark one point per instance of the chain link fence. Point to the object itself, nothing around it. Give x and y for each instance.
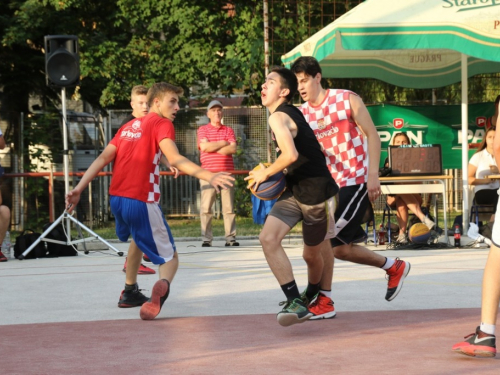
(34, 198)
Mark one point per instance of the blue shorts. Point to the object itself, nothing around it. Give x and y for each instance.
(147, 225)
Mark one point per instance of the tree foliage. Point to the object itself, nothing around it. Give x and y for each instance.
(124, 43)
(205, 46)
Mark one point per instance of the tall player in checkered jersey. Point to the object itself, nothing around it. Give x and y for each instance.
(135, 192)
(351, 145)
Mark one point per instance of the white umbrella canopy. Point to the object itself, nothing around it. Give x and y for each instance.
(412, 43)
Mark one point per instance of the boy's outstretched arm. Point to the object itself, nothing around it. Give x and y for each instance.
(106, 157)
(217, 180)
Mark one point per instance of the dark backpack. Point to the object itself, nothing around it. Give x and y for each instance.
(56, 249)
(25, 240)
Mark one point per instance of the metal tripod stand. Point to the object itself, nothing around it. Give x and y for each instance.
(65, 218)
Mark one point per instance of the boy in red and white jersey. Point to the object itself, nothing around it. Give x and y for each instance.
(351, 145)
(136, 151)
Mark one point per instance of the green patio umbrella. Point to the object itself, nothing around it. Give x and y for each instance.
(412, 43)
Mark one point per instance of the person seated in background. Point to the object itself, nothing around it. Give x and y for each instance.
(4, 225)
(481, 165)
(404, 202)
(491, 121)
(4, 210)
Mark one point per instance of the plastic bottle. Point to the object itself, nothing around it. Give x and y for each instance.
(381, 235)
(6, 245)
(456, 235)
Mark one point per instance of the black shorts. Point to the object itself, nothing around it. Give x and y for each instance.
(353, 203)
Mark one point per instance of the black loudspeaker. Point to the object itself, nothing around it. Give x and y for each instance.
(62, 63)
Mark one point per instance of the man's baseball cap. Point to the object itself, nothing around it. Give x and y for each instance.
(214, 103)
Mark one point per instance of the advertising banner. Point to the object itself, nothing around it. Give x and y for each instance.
(434, 124)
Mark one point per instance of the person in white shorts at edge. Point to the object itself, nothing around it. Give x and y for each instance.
(482, 343)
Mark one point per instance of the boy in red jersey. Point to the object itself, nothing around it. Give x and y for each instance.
(136, 151)
(139, 104)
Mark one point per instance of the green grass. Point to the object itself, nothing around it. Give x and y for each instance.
(244, 227)
(191, 228)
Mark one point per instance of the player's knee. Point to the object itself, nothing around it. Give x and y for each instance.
(311, 257)
(267, 239)
(341, 252)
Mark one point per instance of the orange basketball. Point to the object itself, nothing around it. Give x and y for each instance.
(270, 189)
(419, 233)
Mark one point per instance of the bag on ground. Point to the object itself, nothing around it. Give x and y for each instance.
(56, 249)
(25, 240)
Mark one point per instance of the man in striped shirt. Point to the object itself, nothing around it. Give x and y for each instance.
(217, 144)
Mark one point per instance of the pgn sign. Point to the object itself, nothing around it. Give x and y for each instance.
(398, 123)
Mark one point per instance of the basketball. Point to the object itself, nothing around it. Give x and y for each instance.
(270, 189)
(419, 233)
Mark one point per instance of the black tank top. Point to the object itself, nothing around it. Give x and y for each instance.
(308, 178)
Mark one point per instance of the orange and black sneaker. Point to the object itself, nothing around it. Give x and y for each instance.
(143, 270)
(397, 274)
(477, 344)
(159, 295)
(3, 258)
(322, 308)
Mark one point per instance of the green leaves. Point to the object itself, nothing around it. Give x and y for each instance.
(213, 44)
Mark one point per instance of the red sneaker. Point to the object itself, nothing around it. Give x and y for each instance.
(477, 344)
(146, 258)
(3, 258)
(143, 270)
(322, 308)
(397, 274)
(159, 295)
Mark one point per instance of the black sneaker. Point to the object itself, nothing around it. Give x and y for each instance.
(159, 295)
(306, 300)
(206, 244)
(232, 243)
(132, 298)
(477, 344)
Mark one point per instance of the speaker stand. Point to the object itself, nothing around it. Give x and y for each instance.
(61, 219)
(65, 218)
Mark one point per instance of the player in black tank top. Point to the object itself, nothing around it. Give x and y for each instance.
(309, 196)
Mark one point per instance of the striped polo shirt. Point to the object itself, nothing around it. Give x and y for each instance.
(213, 161)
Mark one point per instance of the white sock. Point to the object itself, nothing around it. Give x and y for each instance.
(326, 293)
(388, 263)
(487, 328)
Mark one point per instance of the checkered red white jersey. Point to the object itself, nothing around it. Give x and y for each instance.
(136, 168)
(344, 145)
